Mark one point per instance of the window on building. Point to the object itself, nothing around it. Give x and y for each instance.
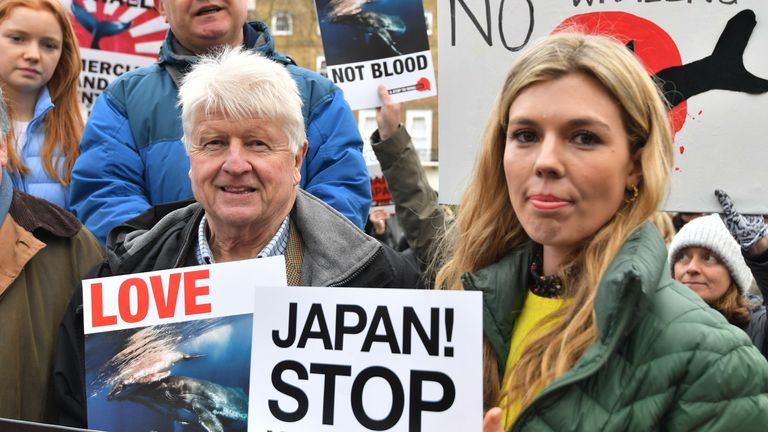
(282, 24)
(419, 125)
(428, 19)
(320, 66)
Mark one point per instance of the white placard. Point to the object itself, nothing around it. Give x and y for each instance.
(171, 349)
(721, 141)
(372, 43)
(344, 359)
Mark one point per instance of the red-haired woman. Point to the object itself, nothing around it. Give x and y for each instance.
(39, 67)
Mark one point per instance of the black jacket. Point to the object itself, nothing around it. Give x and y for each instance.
(335, 253)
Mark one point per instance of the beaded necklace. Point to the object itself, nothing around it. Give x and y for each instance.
(544, 286)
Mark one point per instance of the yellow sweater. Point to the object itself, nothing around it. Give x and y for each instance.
(526, 330)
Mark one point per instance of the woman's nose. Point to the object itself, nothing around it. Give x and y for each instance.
(549, 162)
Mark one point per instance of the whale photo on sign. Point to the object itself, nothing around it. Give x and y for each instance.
(191, 375)
(360, 30)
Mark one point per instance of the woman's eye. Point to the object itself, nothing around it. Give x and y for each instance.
(524, 136)
(711, 259)
(586, 138)
(51, 46)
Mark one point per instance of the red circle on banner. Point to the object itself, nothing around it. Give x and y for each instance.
(652, 45)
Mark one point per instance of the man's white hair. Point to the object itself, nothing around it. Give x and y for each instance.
(241, 85)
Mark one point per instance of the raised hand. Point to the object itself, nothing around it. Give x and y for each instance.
(746, 229)
(388, 115)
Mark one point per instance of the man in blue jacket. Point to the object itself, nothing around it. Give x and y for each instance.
(132, 156)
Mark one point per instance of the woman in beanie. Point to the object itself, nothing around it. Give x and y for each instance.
(706, 256)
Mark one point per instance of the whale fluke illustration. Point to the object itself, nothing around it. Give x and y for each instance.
(98, 29)
(722, 70)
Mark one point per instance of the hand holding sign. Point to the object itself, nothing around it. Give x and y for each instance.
(388, 115)
(492, 420)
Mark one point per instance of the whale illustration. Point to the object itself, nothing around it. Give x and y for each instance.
(722, 70)
(98, 29)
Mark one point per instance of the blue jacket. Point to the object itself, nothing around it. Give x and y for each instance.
(132, 157)
(37, 182)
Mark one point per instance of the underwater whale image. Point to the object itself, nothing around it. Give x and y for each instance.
(189, 401)
(189, 376)
(362, 30)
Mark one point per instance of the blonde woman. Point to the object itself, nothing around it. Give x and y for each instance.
(584, 327)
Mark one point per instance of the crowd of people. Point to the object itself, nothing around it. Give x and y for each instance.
(599, 312)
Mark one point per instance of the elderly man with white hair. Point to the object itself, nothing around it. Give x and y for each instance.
(44, 252)
(244, 133)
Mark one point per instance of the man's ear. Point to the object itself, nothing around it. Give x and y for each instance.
(299, 159)
(160, 8)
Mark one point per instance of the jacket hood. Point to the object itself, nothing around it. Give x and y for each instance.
(137, 239)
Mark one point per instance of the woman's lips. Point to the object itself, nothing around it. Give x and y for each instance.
(547, 202)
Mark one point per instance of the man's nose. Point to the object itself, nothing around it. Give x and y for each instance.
(235, 162)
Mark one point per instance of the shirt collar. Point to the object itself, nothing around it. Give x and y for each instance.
(276, 246)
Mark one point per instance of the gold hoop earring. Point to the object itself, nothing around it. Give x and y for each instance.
(635, 193)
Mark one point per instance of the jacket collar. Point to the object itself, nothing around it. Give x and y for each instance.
(326, 236)
(255, 36)
(623, 294)
(335, 249)
(6, 193)
(42, 106)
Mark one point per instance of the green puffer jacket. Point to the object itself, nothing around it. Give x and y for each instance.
(664, 360)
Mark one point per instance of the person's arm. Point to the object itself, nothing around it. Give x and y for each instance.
(751, 232)
(108, 178)
(725, 390)
(334, 169)
(69, 361)
(416, 207)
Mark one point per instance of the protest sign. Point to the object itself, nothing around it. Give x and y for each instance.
(115, 36)
(373, 42)
(172, 348)
(347, 359)
(380, 196)
(711, 52)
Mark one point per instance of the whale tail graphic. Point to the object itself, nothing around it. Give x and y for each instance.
(98, 29)
(722, 70)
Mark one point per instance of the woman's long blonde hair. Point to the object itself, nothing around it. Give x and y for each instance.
(487, 228)
(64, 123)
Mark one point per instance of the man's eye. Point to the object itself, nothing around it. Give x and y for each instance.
(212, 144)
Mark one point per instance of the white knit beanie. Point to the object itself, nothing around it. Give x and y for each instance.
(710, 232)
